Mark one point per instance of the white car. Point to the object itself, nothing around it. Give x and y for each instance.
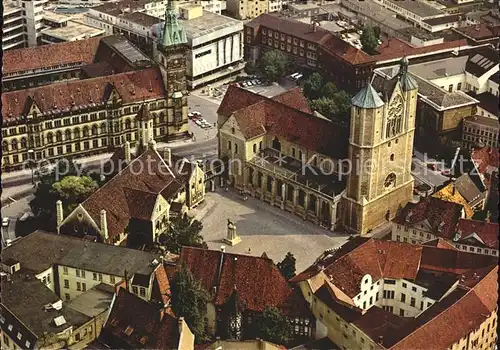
(5, 222)
(198, 122)
(196, 113)
(359, 32)
(249, 83)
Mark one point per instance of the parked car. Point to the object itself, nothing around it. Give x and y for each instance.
(359, 32)
(196, 113)
(244, 84)
(249, 83)
(198, 122)
(5, 222)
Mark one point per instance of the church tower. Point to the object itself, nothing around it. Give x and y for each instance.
(171, 53)
(144, 122)
(380, 151)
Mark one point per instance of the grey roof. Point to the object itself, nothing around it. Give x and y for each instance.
(367, 98)
(93, 302)
(376, 13)
(40, 250)
(25, 297)
(207, 23)
(426, 89)
(440, 68)
(467, 188)
(408, 82)
(419, 8)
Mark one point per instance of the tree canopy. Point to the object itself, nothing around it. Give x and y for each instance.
(189, 300)
(64, 182)
(274, 64)
(182, 231)
(369, 40)
(313, 86)
(325, 98)
(287, 266)
(272, 326)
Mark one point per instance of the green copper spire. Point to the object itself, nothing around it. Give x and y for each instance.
(173, 31)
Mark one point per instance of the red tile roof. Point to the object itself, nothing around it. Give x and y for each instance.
(290, 26)
(441, 215)
(395, 48)
(339, 48)
(486, 159)
(133, 86)
(81, 51)
(454, 316)
(480, 31)
(257, 280)
(161, 285)
(132, 193)
(136, 323)
(239, 98)
(487, 231)
(275, 118)
(441, 244)
(294, 98)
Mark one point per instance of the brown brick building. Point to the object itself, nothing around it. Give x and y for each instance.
(310, 47)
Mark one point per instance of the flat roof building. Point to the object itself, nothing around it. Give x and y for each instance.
(13, 26)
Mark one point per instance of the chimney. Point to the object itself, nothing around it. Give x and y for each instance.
(59, 214)
(128, 155)
(104, 225)
(167, 156)
(453, 190)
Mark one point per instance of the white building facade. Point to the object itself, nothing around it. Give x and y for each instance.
(13, 36)
(32, 14)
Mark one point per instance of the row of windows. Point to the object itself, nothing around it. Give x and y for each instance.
(476, 249)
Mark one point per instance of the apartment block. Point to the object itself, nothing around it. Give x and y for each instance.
(480, 130)
(247, 9)
(13, 26)
(33, 14)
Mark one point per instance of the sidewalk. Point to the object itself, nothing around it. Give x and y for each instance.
(82, 161)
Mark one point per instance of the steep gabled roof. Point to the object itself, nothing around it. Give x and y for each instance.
(487, 231)
(441, 215)
(81, 51)
(132, 193)
(258, 281)
(72, 95)
(273, 117)
(136, 323)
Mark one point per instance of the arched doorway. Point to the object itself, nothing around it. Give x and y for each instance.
(277, 144)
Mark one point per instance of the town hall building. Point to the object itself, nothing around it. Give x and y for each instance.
(278, 150)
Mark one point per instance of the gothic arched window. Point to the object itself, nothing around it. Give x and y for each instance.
(77, 133)
(85, 131)
(394, 118)
(67, 135)
(14, 144)
(50, 137)
(23, 142)
(128, 124)
(390, 180)
(94, 129)
(5, 146)
(59, 136)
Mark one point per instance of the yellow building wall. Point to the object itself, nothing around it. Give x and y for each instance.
(186, 341)
(196, 187)
(161, 214)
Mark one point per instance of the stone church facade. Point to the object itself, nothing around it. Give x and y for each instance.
(278, 150)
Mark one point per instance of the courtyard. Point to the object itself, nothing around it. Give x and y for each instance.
(262, 228)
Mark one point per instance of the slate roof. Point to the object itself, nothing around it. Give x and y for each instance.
(258, 281)
(471, 190)
(132, 87)
(269, 116)
(367, 98)
(443, 19)
(81, 51)
(138, 324)
(133, 192)
(489, 102)
(25, 298)
(93, 302)
(40, 250)
(442, 215)
(482, 60)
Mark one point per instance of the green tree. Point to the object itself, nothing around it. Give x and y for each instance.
(43, 205)
(369, 40)
(272, 326)
(73, 190)
(287, 266)
(342, 102)
(329, 90)
(313, 86)
(376, 31)
(182, 231)
(324, 106)
(274, 64)
(189, 300)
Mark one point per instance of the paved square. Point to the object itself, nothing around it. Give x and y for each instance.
(262, 228)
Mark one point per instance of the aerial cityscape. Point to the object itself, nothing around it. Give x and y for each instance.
(250, 174)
